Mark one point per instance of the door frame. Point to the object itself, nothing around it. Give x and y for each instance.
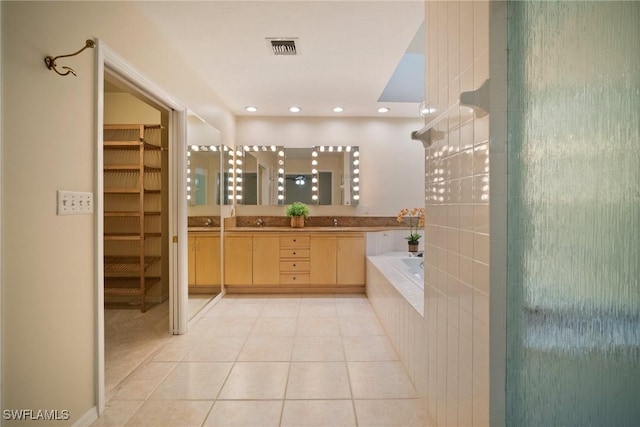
(108, 60)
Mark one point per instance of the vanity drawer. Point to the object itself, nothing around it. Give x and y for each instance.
(294, 279)
(294, 253)
(294, 266)
(294, 241)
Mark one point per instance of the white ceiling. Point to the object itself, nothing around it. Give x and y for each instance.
(348, 51)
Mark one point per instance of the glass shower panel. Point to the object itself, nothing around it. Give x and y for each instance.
(573, 330)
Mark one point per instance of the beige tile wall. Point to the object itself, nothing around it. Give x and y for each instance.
(447, 356)
(457, 211)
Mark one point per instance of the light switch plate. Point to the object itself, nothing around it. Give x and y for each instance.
(75, 203)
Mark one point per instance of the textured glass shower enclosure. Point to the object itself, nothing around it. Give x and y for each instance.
(573, 330)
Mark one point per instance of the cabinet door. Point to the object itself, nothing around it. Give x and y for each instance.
(238, 260)
(191, 255)
(351, 260)
(322, 259)
(266, 261)
(208, 260)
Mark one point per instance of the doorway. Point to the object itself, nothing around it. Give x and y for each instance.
(167, 290)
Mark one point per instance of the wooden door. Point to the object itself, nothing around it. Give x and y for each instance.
(322, 259)
(238, 260)
(208, 260)
(266, 250)
(351, 260)
(192, 259)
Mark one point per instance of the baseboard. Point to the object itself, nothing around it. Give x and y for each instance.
(88, 418)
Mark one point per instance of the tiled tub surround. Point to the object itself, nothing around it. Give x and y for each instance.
(402, 272)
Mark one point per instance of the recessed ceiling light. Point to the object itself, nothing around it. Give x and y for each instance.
(251, 108)
(383, 109)
(338, 109)
(295, 109)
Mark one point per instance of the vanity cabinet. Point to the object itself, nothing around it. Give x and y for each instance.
(238, 259)
(204, 259)
(294, 261)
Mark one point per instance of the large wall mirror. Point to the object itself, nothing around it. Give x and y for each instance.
(207, 190)
(320, 175)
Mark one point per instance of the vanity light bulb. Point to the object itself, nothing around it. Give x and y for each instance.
(356, 171)
(314, 197)
(231, 171)
(314, 171)
(188, 197)
(314, 180)
(238, 162)
(331, 148)
(314, 188)
(322, 148)
(356, 179)
(314, 154)
(356, 162)
(230, 188)
(188, 171)
(273, 148)
(348, 148)
(281, 179)
(212, 148)
(255, 148)
(246, 148)
(280, 197)
(281, 162)
(281, 153)
(238, 196)
(195, 148)
(239, 179)
(356, 188)
(314, 162)
(230, 161)
(188, 179)
(230, 179)
(188, 188)
(356, 197)
(188, 153)
(280, 188)
(339, 147)
(281, 171)
(239, 187)
(356, 154)
(238, 171)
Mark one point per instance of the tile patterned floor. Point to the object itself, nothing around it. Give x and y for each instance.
(272, 361)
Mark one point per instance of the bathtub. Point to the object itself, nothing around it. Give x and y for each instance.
(404, 273)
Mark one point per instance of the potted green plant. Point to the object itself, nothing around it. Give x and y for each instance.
(415, 218)
(298, 212)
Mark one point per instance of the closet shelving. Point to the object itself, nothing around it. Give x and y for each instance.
(132, 191)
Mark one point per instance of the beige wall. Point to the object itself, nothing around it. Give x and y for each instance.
(391, 164)
(48, 134)
(123, 108)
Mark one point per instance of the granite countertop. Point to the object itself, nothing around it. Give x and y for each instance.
(308, 229)
(205, 228)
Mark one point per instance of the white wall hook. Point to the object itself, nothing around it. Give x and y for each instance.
(478, 100)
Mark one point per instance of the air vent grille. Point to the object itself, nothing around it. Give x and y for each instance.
(283, 47)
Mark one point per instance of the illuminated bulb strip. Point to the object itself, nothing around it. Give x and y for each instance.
(314, 173)
(281, 176)
(355, 175)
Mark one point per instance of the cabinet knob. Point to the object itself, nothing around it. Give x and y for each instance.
(294, 240)
(294, 253)
(294, 277)
(294, 265)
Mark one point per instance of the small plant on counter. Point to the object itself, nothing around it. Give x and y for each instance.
(297, 209)
(415, 218)
(298, 212)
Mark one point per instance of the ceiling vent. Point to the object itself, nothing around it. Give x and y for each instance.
(283, 46)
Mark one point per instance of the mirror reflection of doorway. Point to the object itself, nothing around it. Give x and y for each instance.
(136, 238)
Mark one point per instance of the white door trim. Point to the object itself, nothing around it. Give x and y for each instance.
(107, 59)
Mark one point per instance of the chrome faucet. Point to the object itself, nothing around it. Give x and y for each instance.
(208, 222)
(335, 222)
(260, 222)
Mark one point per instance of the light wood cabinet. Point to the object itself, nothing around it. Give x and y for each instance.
(238, 260)
(204, 259)
(266, 258)
(294, 262)
(323, 259)
(350, 262)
